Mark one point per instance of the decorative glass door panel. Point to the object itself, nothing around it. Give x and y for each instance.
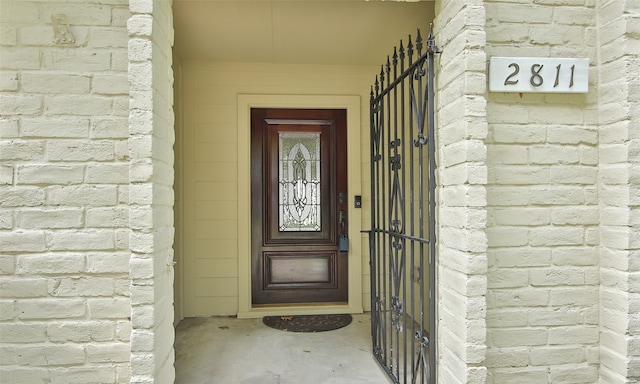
(299, 178)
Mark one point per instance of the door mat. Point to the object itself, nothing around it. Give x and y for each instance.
(307, 323)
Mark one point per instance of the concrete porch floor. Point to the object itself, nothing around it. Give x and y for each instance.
(245, 351)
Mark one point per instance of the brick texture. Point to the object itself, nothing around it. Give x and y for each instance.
(63, 269)
(619, 191)
(561, 199)
(543, 211)
(151, 193)
(462, 177)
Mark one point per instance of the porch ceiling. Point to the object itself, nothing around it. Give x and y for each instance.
(346, 32)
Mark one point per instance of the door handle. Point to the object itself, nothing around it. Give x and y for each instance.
(343, 240)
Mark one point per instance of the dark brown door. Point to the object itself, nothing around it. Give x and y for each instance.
(298, 205)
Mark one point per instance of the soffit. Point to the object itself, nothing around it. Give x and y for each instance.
(347, 32)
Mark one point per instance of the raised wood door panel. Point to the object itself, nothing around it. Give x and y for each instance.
(298, 181)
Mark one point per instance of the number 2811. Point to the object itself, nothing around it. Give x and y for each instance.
(536, 78)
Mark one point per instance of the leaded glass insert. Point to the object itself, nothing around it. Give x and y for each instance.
(299, 181)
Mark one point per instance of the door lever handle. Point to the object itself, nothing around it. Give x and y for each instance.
(343, 241)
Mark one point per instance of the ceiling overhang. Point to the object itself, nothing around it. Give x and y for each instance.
(348, 32)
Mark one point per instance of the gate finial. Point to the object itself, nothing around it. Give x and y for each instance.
(395, 56)
(388, 69)
(410, 50)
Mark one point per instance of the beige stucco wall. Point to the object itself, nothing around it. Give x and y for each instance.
(209, 166)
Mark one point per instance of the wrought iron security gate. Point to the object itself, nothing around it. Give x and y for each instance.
(402, 235)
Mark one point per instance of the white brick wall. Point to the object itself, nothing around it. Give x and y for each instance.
(571, 166)
(543, 277)
(462, 177)
(619, 190)
(151, 197)
(64, 309)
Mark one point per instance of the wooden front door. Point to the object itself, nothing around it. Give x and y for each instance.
(298, 205)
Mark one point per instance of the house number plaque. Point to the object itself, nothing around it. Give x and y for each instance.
(540, 75)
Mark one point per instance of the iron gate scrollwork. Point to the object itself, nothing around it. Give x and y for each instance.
(402, 235)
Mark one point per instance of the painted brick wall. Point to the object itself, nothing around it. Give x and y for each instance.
(64, 243)
(619, 119)
(632, 52)
(151, 197)
(461, 157)
(543, 277)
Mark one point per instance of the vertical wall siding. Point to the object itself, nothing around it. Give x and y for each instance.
(210, 174)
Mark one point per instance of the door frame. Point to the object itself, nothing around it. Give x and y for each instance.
(354, 185)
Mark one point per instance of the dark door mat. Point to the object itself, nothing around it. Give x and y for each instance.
(307, 323)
